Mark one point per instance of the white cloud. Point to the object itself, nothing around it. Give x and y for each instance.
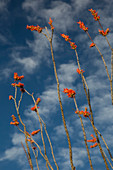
(79, 154)
(12, 154)
(60, 12)
(17, 138)
(28, 63)
(4, 73)
(67, 73)
(16, 151)
(62, 15)
(49, 97)
(80, 5)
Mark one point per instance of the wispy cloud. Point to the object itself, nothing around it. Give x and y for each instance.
(14, 152)
(4, 73)
(80, 5)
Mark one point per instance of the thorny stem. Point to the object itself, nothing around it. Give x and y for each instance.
(38, 147)
(47, 161)
(100, 55)
(46, 135)
(110, 79)
(87, 94)
(85, 139)
(41, 132)
(50, 144)
(103, 141)
(20, 100)
(62, 113)
(63, 118)
(88, 99)
(36, 156)
(25, 153)
(111, 82)
(108, 160)
(17, 109)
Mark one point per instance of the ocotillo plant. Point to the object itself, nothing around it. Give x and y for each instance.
(71, 94)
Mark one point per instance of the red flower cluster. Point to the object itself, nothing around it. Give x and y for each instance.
(92, 45)
(104, 33)
(66, 37)
(82, 26)
(35, 132)
(16, 77)
(50, 23)
(95, 14)
(21, 85)
(34, 107)
(34, 28)
(84, 113)
(78, 70)
(70, 93)
(72, 44)
(15, 122)
(93, 141)
(38, 101)
(10, 97)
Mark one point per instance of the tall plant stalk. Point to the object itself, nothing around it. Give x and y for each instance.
(58, 91)
(88, 99)
(17, 109)
(84, 133)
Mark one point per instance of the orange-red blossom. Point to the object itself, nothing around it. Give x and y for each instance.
(38, 101)
(66, 37)
(84, 113)
(93, 141)
(21, 85)
(82, 26)
(78, 70)
(16, 77)
(92, 45)
(50, 23)
(95, 14)
(72, 44)
(35, 132)
(15, 122)
(34, 28)
(104, 33)
(70, 93)
(29, 140)
(34, 108)
(10, 97)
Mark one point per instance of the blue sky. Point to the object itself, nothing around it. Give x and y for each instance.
(28, 54)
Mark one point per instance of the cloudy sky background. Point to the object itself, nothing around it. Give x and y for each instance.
(28, 54)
